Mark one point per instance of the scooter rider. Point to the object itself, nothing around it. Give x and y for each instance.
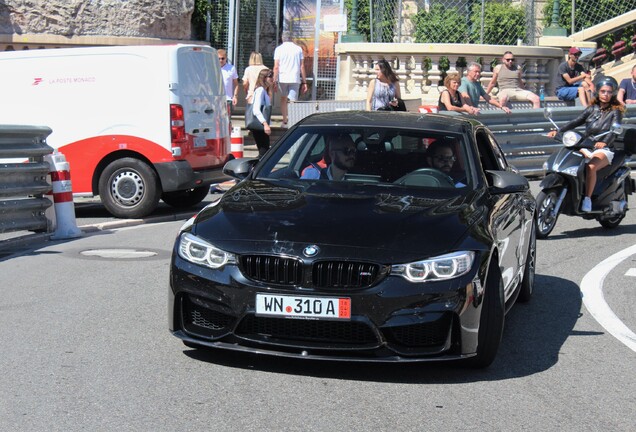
(604, 110)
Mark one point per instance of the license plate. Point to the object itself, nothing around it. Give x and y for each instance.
(303, 307)
(199, 141)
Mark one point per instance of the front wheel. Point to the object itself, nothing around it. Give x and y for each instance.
(527, 283)
(186, 198)
(491, 321)
(545, 220)
(129, 188)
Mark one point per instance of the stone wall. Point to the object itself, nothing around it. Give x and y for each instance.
(166, 19)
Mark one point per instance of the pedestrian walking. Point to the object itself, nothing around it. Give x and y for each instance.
(250, 75)
(289, 73)
(261, 100)
(230, 79)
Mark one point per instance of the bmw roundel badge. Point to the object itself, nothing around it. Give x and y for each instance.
(311, 251)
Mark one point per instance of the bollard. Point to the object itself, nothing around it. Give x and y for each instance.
(428, 108)
(236, 139)
(59, 170)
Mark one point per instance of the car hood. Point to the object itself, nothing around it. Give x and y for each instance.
(254, 215)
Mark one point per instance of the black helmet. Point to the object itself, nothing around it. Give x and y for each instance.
(601, 81)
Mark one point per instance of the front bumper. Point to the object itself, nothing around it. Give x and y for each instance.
(179, 175)
(392, 321)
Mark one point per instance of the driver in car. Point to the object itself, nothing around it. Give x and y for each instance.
(342, 152)
(440, 156)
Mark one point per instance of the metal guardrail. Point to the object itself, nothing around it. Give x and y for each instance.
(521, 134)
(22, 184)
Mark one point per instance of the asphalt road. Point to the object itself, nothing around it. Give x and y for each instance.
(85, 346)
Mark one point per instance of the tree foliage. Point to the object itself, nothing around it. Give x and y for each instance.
(440, 24)
(504, 23)
(218, 30)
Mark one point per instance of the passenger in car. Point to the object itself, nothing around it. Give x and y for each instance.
(342, 152)
(441, 156)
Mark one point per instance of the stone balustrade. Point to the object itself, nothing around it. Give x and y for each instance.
(417, 65)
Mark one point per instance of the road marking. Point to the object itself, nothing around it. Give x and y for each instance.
(592, 292)
(631, 272)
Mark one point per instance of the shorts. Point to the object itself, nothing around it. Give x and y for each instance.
(607, 152)
(289, 90)
(515, 94)
(569, 93)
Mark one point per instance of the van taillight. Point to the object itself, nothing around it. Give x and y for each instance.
(177, 125)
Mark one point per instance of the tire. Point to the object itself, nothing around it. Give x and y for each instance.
(186, 198)
(544, 222)
(611, 223)
(491, 321)
(527, 283)
(129, 188)
(614, 222)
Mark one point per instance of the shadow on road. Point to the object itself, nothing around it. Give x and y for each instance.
(597, 231)
(531, 343)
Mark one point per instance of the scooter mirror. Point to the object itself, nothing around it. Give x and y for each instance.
(616, 128)
(547, 113)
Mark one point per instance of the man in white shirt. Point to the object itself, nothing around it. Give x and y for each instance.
(230, 78)
(289, 72)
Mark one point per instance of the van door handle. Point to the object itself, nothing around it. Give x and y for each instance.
(208, 110)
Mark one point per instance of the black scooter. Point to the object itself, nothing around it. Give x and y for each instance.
(563, 187)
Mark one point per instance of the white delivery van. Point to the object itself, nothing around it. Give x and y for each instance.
(136, 123)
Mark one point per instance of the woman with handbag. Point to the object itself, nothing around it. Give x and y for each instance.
(257, 114)
(384, 89)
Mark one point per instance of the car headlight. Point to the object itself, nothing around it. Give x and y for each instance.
(570, 138)
(439, 268)
(198, 251)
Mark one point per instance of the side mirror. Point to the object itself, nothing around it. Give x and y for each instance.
(505, 182)
(239, 168)
(616, 128)
(547, 113)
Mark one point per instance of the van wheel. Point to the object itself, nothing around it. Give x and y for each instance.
(186, 198)
(129, 188)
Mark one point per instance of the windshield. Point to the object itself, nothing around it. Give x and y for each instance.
(414, 158)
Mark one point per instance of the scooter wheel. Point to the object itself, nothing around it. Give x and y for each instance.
(611, 223)
(545, 221)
